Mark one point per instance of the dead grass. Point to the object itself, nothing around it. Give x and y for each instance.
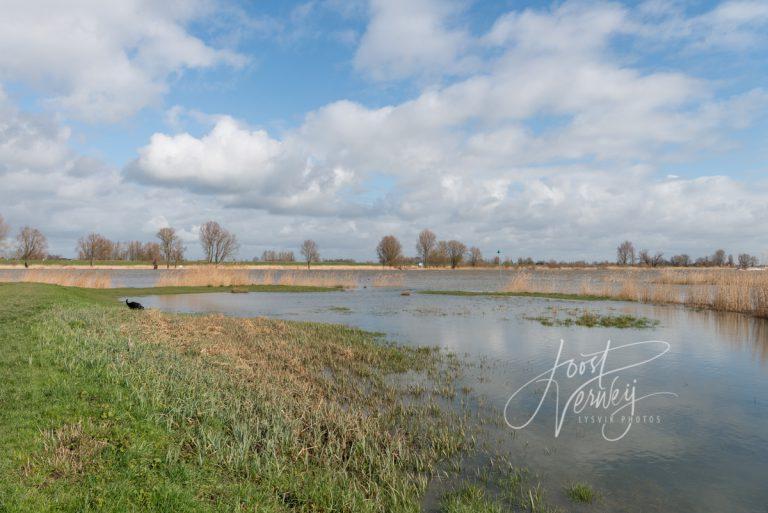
(388, 280)
(67, 451)
(90, 279)
(226, 277)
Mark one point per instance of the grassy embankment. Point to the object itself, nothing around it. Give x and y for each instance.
(107, 409)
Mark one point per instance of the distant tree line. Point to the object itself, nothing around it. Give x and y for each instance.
(625, 255)
(430, 252)
(220, 245)
(271, 255)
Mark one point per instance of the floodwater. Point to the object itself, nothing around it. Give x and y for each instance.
(698, 438)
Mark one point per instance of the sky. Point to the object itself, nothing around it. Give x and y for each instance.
(543, 129)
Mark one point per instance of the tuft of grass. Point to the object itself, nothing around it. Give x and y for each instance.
(470, 499)
(580, 492)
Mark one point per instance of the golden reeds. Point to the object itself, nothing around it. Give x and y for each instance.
(388, 280)
(225, 277)
(89, 279)
(727, 290)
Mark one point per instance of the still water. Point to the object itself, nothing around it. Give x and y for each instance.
(698, 443)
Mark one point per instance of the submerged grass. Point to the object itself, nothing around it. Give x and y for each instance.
(107, 409)
(580, 492)
(470, 499)
(588, 319)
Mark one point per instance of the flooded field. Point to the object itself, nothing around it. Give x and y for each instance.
(698, 443)
(664, 408)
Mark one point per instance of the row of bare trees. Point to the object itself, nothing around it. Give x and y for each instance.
(96, 247)
(218, 245)
(430, 251)
(625, 255)
(271, 255)
(439, 252)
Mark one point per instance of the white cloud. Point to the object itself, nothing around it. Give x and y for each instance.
(29, 142)
(102, 61)
(412, 37)
(247, 166)
(536, 137)
(554, 141)
(734, 24)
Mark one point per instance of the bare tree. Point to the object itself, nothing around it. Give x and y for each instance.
(177, 252)
(439, 255)
(682, 260)
(645, 257)
(151, 251)
(171, 246)
(31, 244)
(718, 258)
(425, 245)
(270, 255)
(389, 250)
(456, 252)
(475, 256)
(310, 252)
(218, 244)
(746, 260)
(94, 247)
(625, 253)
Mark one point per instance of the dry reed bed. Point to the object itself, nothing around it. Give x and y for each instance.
(68, 278)
(722, 290)
(218, 277)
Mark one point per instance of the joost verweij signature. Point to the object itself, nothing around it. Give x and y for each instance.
(601, 388)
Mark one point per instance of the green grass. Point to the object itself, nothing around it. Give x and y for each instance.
(107, 409)
(580, 492)
(546, 295)
(589, 319)
(470, 499)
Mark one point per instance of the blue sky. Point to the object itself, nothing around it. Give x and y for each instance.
(551, 129)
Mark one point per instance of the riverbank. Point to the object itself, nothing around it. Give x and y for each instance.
(109, 409)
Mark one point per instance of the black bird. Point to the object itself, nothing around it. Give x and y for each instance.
(133, 305)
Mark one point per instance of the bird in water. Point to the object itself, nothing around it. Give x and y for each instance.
(133, 305)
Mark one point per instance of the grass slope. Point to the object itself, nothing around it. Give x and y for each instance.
(106, 409)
